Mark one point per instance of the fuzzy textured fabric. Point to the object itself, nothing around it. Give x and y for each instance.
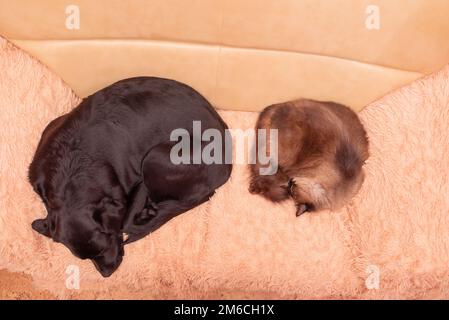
(238, 244)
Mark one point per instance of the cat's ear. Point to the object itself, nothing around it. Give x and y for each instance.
(41, 226)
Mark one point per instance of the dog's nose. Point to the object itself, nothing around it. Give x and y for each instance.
(107, 268)
(104, 272)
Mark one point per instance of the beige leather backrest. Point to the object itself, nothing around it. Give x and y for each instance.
(240, 54)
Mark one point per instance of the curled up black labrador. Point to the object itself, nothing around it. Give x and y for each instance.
(105, 169)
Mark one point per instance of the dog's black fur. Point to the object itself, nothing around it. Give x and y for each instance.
(104, 168)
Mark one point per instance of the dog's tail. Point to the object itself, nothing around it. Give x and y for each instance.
(167, 210)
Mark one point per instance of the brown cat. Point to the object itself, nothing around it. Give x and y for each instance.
(322, 147)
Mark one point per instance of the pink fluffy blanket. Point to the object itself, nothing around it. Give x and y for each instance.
(391, 241)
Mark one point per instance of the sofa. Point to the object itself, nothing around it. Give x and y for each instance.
(390, 241)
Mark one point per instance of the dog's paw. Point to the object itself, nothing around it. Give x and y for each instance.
(151, 205)
(145, 216)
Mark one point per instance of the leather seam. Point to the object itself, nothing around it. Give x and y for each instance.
(223, 46)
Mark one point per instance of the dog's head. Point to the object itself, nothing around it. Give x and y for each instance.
(84, 200)
(86, 220)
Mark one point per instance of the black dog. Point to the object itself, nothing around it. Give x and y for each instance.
(104, 169)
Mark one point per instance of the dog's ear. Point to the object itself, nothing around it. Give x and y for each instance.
(41, 226)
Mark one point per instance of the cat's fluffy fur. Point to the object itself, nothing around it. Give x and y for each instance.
(322, 147)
